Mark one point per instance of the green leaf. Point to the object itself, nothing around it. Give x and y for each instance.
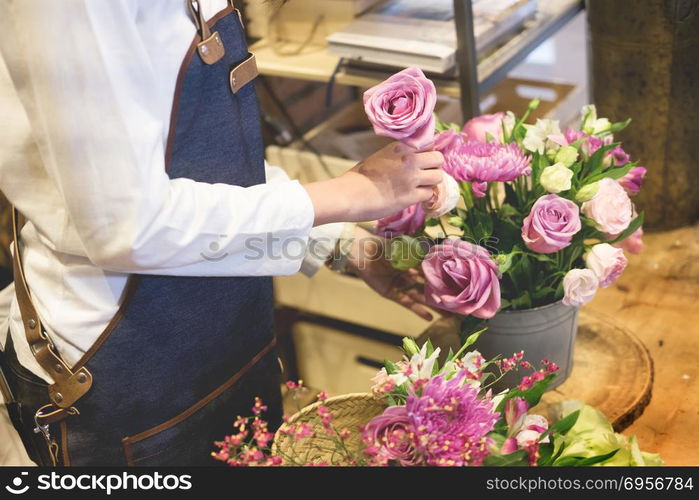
(595, 163)
(612, 173)
(616, 127)
(432, 222)
(633, 227)
(391, 367)
(524, 301)
(596, 460)
(541, 292)
(566, 423)
(532, 395)
(518, 458)
(545, 454)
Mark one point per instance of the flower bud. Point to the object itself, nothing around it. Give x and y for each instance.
(406, 252)
(566, 155)
(587, 192)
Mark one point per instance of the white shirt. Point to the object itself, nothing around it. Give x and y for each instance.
(85, 114)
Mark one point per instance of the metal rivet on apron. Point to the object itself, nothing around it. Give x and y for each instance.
(204, 49)
(233, 82)
(58, 397)
(82, 378)
(218, 40)
(31, 324)
(58, 368)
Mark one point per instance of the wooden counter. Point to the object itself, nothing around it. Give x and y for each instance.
(658, 299)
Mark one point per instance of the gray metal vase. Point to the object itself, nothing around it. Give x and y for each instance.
(546, 332)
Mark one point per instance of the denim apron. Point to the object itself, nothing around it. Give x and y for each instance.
(184, 356)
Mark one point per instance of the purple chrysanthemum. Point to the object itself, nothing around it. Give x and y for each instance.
(451, 422)
(480, 163)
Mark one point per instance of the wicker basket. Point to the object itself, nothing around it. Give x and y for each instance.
(349, 411)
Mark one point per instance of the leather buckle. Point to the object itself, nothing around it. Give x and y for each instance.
(211, 50)
(243, 73)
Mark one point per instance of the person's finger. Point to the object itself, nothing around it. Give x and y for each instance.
(416, 276)
(429, 178)
(429, 160)
(423, 194)
(407, 302)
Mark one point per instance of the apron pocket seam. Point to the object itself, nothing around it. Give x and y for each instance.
(129, 441)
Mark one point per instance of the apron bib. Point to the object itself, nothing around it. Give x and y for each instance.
(184, 356)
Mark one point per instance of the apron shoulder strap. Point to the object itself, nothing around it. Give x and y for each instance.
(68, 386)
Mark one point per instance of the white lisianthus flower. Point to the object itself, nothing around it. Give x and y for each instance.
(579, 287)
(539, 137)
(591, 124)
(446, 197)
(556, 178)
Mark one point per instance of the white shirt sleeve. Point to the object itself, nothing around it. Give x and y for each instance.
(90, 90)
(322, 239)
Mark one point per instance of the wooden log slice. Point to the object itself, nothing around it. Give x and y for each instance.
(612, 372)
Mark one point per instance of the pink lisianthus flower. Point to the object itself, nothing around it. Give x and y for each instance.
(610, 207)
(390, 438)
(480, 163)
(551, 224)
(633, 181)
(476, 129)
(463, 278)
(619, 156)
(451, 422)
(633, 244)
(402, 107)
(607, 262)
(589, 146)
(407, 221)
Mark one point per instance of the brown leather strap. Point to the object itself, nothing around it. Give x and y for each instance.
(210, 48)
(243, 73)
(68, 386)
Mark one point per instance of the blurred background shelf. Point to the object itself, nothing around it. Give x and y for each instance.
(313, 63)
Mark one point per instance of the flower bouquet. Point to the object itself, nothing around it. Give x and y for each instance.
(528, 223)
(421, 413)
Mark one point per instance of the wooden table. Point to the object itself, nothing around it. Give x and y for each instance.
(657, 298)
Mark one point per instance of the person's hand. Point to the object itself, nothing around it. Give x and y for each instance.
(369, 260)
(388, 181)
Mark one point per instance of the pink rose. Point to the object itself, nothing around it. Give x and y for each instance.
(579, 287)
(633, 181)
(390, 438)
(407, 221)
(606, 262)
(610, 208)
(551, 224)
(446, 196)
(477, 128)
(402, 108)
(463, 278)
